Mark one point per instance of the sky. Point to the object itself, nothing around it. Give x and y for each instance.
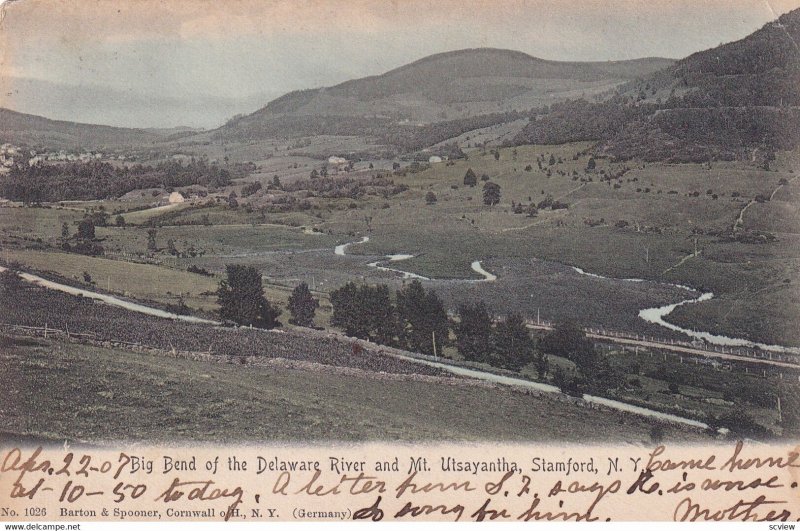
(235, 55)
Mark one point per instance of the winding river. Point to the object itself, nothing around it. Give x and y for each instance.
(655, 315)
(341, 250)
(396, 258)
(416, 358)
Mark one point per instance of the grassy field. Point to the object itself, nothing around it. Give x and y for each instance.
(142, 281)
(645, 221)
(218, 240)
(102, 394)
(164, 285)
(32, 223)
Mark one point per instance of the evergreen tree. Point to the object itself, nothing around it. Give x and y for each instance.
(151, 240)
(474, 332)
(302, 306)
(86, 229)
(491, 193)
(568, 340)
(365, 312)
(470, 179)
(379, 313)
(241, 299)
(422, 318)
(542, 364)
(514, 346)
(347, 314)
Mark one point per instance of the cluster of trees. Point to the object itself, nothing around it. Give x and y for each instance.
(491, 191)
(100, 180)
(505, 343)
(414, 319)
(251, 188)
(84, 240)
(242, 301)
(346, 187)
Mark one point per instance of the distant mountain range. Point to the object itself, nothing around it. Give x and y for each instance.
(719, 103)
(442, 87)
(43, 133)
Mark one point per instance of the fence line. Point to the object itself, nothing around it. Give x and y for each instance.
(540, 324)
(733, 351)
(93, 339)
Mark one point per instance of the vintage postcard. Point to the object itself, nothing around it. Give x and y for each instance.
(397, 260)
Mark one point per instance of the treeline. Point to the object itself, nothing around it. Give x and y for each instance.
(675, 131)
(415, 319)
(259, 125)
(722, 103)
(412, 318)
(344, 187)
(101, 180)
(578, 120)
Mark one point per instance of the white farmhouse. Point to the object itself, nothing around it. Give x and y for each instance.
(176, 198)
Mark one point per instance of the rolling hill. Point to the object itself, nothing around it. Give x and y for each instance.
(719, 103)
(447, 87)
(727, 102)
(36, 131)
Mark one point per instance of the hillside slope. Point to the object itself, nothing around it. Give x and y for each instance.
(445, 87)
(720, 103)
(36, 131)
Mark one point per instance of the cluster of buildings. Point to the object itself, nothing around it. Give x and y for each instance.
(63, 156)
(7, 154)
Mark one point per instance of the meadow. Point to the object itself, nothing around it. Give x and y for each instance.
(662, 222)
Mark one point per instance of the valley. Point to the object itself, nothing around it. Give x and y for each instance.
(647, 207)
